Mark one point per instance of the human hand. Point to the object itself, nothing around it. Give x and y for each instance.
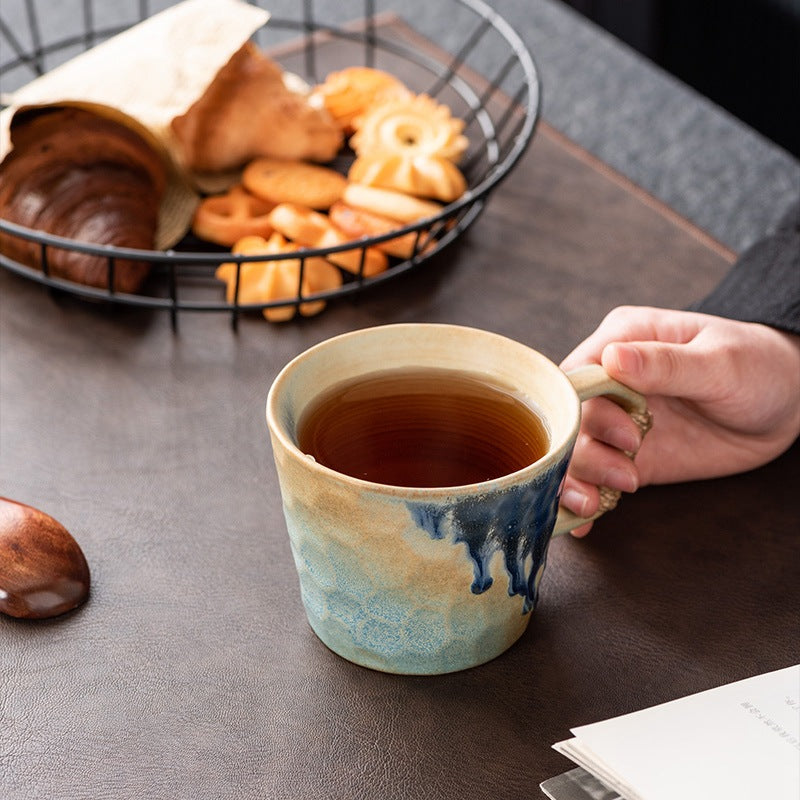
(725, 398)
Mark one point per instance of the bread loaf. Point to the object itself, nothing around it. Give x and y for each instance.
(247, 112)
(76, 174)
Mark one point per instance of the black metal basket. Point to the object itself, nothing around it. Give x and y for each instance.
(500, 112)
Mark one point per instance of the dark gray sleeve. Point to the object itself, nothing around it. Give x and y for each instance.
(764, 284)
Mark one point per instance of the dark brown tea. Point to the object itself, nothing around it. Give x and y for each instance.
(426, 427)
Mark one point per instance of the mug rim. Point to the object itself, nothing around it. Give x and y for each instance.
(555, 453)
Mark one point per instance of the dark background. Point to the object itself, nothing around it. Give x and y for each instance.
(742, 54)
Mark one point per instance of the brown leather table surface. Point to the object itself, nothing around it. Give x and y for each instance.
(192, 673)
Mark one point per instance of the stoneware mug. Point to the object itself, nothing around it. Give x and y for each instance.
(427, 580)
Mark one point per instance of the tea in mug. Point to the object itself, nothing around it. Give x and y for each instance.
(422, 428)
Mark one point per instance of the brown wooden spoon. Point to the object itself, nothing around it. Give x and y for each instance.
(43, 572)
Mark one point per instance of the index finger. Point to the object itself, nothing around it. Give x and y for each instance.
(634, 324)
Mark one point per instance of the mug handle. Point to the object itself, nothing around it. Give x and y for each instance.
(592, 381)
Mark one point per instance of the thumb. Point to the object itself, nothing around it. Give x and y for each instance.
(664, 368)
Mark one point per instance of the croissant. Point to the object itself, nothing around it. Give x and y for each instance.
(76, 174)
(247, 112)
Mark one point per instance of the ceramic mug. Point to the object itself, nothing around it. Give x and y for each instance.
(426, 580)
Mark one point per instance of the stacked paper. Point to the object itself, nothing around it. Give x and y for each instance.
(735, 742)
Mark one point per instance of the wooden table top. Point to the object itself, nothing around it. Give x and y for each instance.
(191, 671)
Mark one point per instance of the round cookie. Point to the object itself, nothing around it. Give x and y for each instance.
(296, 182)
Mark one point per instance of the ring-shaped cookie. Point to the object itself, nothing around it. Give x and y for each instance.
(412, 126)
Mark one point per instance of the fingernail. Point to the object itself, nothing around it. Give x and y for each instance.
(628, 359)
(579, 533)
(575, 501)
(621, 479)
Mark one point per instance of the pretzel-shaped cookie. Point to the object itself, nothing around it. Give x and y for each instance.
(225, 219)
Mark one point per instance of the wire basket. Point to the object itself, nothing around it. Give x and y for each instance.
(498, 99)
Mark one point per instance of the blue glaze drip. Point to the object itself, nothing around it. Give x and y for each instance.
(516, 521)
(427, 518)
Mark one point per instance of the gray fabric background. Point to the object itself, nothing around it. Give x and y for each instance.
(686, 151)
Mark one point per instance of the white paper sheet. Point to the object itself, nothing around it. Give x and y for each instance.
(152, 71)
(736, 742)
